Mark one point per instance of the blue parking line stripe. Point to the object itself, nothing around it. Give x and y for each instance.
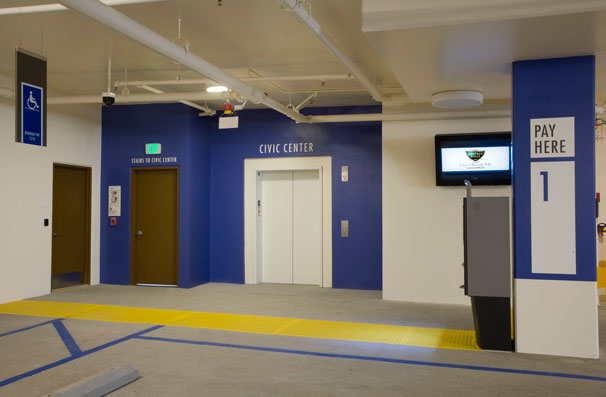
(36, 371)
(27, 328)
(72, 358)
(67, 338)
(380, 359)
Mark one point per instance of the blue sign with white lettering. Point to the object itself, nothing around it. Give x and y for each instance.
(32, 114)
(554, 169)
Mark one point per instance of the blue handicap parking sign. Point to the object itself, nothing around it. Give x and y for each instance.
(32, 114)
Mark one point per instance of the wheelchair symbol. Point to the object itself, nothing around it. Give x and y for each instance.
(31, 102)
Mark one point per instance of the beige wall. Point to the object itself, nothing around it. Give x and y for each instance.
(600, 186)
(422, 223)
(600, 171)
(26, 171)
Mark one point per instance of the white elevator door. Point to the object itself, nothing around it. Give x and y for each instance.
(292, 227)
(307, 228)
(276, 211)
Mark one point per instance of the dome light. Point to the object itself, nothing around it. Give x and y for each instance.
(457, 99)
(216, 88)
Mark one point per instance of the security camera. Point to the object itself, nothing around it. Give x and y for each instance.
(109, 98)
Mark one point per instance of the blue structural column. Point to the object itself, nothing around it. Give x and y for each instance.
(555, 291)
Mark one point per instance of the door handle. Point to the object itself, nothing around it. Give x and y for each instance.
(139, 233)
(55, 234)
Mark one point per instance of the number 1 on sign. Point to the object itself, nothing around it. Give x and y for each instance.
(552, 217)
(545, 176)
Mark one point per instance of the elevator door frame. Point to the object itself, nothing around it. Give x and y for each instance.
(252, 266)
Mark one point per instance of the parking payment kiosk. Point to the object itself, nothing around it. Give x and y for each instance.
(487, 268)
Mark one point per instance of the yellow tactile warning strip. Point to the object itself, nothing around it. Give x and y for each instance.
(361, 332)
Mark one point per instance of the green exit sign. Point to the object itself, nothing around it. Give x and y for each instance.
(153, 148)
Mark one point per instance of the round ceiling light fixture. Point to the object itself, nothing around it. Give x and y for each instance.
(457, 99)
(216, 88)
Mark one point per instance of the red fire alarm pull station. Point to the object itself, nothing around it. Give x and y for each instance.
(113, 221)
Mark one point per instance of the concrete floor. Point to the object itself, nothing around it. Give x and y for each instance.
(255, 364)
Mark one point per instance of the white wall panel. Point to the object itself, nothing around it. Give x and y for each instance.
(600, 171)
(552, 212)
(555, 318)
(422, 222)
(26, 173)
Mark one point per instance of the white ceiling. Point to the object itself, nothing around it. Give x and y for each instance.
(247, 38)
(443, 50)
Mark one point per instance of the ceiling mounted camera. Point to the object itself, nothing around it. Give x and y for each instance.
(109, 98)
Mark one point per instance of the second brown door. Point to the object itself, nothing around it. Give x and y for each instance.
(155, 226)
(71, 226)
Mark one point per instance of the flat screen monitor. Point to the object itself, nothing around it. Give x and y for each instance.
(482, 158)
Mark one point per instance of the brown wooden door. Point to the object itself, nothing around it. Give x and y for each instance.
(155, 226)
(71, 226)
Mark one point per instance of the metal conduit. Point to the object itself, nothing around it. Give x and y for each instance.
(205, 109)
(138, 98)
(247, 79)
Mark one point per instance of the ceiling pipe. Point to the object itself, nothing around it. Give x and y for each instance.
(335, 118)
(59, 7)
(240, 106)
(138, 98)
(306, 101)
(305, 17)
(140, 83)
(206, 111)
(77, 99)
(354, 118)
(347, 76)
(247, 79)
(145, 36)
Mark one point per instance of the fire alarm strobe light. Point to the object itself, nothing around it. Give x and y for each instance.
(228, 119)
(228, 109)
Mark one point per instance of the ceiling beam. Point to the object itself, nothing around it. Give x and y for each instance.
(303, 15)
(356, 118)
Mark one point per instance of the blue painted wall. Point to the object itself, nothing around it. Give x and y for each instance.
(125, 131)
(211, 161)
(562, 87)
(357, 260)
(199, 206)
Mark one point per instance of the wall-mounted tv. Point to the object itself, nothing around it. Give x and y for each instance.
(482, 158)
